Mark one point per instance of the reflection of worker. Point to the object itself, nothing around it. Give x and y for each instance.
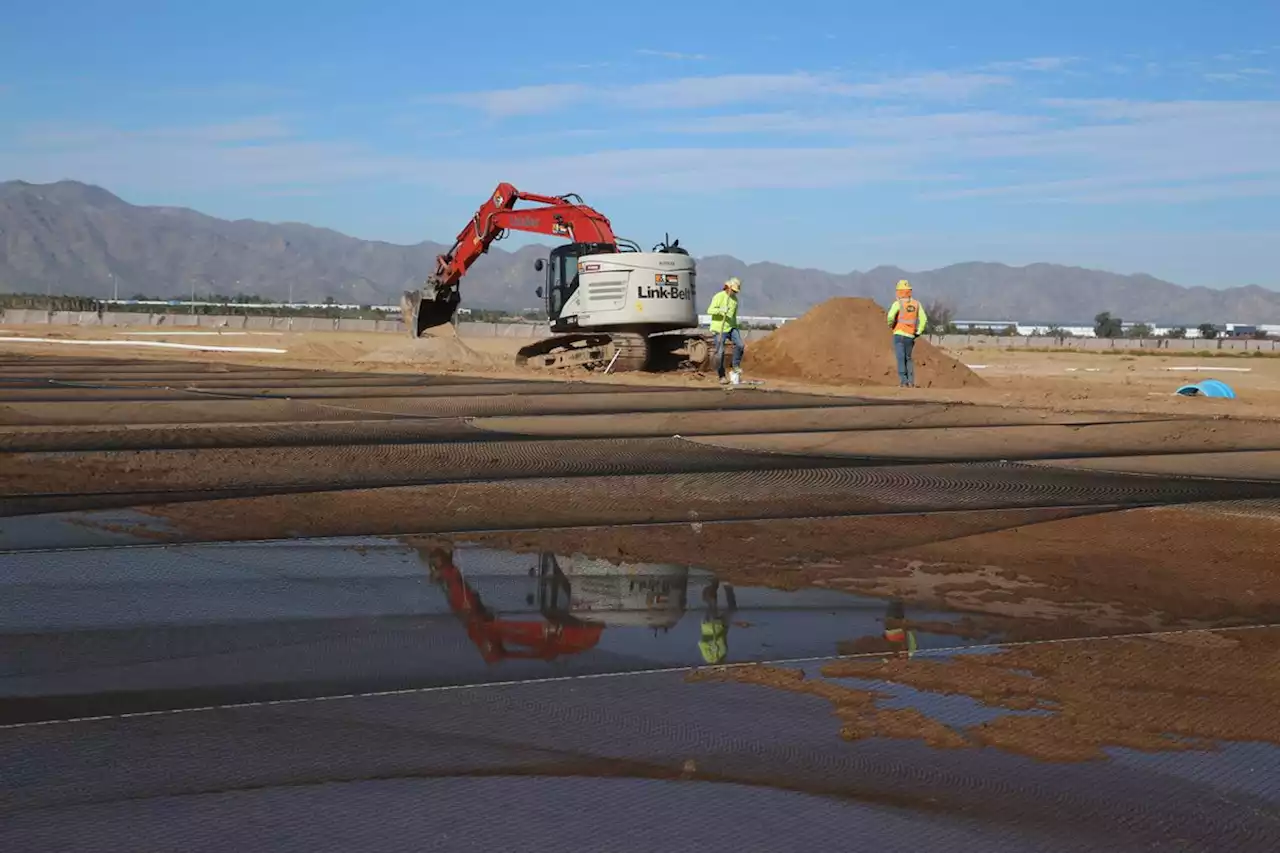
(724, 325)
(899, 637)
(908, 320)
(713, 639)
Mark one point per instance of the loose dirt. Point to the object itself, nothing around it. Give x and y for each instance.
(440, 347)
(844, 341)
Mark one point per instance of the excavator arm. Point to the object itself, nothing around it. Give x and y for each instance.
(558, 216)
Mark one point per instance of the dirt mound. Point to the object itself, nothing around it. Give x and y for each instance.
(441, 348)
(845, 341)
(327, 352)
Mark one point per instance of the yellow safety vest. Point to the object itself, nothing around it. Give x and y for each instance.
(724, 312)
(714, 641)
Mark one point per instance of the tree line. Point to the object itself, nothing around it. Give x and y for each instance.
(241, 304)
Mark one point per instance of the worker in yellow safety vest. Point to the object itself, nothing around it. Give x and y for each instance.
(908, 321)
(713, 634)
(724, 326)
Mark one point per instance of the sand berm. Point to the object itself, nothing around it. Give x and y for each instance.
(846, 341)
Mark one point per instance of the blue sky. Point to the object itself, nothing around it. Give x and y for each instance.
(1132, 136)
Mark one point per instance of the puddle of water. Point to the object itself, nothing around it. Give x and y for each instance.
(128, 629)
(78, 529)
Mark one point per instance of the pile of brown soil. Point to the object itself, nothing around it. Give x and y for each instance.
(844, 341)
(441, 346)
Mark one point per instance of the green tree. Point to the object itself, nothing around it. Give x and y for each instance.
(941, 317)
(1179, 333)
(1208, 331)
(1141, 330)
(1106, 326)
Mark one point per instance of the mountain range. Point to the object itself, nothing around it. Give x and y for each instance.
(78, 239)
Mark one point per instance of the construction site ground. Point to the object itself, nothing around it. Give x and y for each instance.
(219, 583)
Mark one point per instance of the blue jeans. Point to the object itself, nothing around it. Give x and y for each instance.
(902, 347)
(735, 337)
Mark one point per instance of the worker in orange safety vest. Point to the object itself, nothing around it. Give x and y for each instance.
(908, 321)
(896, 633)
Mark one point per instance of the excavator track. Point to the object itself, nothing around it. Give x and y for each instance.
(617, 352)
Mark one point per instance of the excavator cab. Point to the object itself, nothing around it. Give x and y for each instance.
(561, 270)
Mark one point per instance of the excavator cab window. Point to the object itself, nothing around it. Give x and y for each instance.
(562, 273)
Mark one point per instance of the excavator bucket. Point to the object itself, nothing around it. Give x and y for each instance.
(422, 313)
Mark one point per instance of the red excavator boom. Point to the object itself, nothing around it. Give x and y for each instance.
(499, 639)
(559, 216)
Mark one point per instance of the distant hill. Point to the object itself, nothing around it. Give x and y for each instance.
(70, 237)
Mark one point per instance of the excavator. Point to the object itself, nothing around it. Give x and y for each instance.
(609, 304)
(577, 598)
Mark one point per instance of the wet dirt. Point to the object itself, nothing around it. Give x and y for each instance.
(1058, 541)
(1164, 693)
(844, 341)
(992, 615)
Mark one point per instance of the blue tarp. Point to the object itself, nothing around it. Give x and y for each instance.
(1208, 388)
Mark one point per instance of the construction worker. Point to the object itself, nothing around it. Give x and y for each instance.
(713, 634)
(896, 633)
(724, 325)
(908, 320)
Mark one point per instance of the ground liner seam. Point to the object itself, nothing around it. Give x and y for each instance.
(377, 694)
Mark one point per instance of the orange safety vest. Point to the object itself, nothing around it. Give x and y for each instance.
(908, 317)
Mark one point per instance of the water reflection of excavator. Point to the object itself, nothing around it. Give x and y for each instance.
(648, 595)
(500, 639)
(577, 598)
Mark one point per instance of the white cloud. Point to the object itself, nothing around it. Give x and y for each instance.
(673, 54)
(1179, 194)
(224, 91)
(523, 100)
(1040, 63)
(1102, 152)
(723, 90)
(861, 125)
(1237, 75)
(253, 152)
(833, 133)
(242, 130)
(1177, 150)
